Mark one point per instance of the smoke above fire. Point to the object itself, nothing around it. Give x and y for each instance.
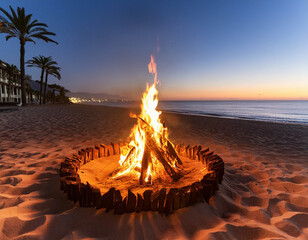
(152, 69)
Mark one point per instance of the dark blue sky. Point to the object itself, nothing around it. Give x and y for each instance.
(204, 49)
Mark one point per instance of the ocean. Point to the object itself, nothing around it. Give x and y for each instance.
(273, 111)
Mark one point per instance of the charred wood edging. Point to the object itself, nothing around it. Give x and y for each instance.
(163, 201)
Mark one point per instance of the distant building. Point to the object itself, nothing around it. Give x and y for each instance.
(9, 92)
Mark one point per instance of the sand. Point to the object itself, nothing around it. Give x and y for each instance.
(264, 194)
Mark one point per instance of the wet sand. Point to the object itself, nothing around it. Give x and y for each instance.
(264, 194)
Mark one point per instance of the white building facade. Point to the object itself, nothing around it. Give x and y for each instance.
(9, 91)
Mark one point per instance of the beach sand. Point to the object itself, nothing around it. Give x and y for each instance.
(264, 194)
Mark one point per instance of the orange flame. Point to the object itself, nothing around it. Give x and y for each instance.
(130, 164)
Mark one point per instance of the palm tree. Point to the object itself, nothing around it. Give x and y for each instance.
(42, 63)
(11, 71)
(53, 71)
(19, 25)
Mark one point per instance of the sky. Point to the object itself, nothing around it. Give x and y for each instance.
(232, 49)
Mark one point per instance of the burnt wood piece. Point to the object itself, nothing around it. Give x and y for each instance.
(109, 150)
(75, 191)
(208, 191)
(161, 200)
(191, 150)
(83, 195)
(98, 151)
(147, 200)
(160, 157)
(172, 153)
(67, 172)
(199, 188)
(121, 207)
(211, 179)
(184, 196)
(139, 206)
(102, 151)
(176, 199)
(201, 154)
(96, 198)
(193, 195)
(119, 204)
(154, 201)
(131, 202)
(169, 202)
(116, 148)
(94, 153)
(82, 154)
(107, 200)
(89, 195)
(196, 151)
(187, 151)
(90, 154)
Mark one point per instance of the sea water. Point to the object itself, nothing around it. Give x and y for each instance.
(273, 111)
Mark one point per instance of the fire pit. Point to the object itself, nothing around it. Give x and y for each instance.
(147, 173)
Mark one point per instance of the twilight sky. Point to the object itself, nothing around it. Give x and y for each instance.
(233, 49)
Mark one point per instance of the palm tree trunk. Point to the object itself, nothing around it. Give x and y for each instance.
(22, 73)
(41, 86)
(45, 87)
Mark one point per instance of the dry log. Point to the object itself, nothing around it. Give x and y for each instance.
(211, 179)
(176, 199)
(116, 148)
(169, 202)
(82, 195)
(109, 151)
(187, 151)
(207, 191)
(94, 153)
(196, 150)
(117, 202)
(107, 200)
(96, 198)
(193, 195)
(199, 188)
(131, 202)
(121, 207)
(139, 206)
(89, 153)
(102, 150)
(154, 201)
(185, 192)
(147, 200)
(161, 200)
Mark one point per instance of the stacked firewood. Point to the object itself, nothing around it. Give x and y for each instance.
(164, 201)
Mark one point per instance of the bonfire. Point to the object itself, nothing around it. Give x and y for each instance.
(147, 172)
(150, 153)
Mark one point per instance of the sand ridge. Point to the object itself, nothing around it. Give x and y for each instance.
(264, 194)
